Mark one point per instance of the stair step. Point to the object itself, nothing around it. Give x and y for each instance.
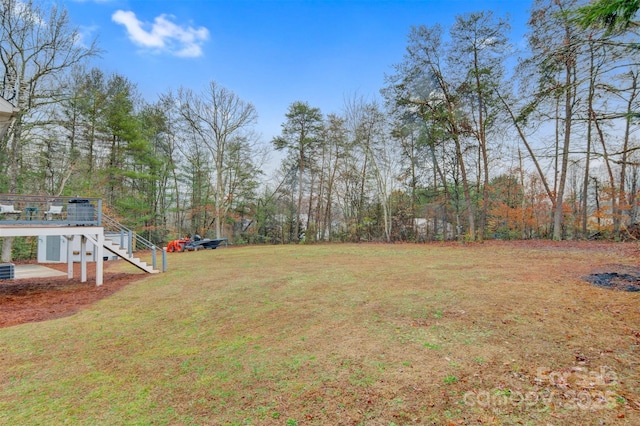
(124, 254)
(113, 245)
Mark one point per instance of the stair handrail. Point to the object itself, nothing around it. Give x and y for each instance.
(111, 224)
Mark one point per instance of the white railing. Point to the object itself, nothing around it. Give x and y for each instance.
(130, 239)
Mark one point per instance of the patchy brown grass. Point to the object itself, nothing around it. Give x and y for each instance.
(494, 333)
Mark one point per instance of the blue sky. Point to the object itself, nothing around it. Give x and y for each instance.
(271, 52)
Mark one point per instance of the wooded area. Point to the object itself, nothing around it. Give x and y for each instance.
(471, 138)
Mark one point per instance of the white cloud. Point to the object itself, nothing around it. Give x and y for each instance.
(23, 11)
(85, 35)
(163, 35)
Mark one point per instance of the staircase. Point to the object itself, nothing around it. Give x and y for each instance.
(124, 254)
(129, 239)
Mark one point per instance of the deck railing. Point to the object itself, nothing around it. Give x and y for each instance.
(132, 241)
(50, 210)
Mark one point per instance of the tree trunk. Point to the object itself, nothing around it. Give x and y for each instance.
(465, 189)
(625, 155)
(14, 169)
(568, 110)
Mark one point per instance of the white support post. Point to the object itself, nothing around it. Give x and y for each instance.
(100, 259)
(98, 243)
(70, 239)
(83, 259)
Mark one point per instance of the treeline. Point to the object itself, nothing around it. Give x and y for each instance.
(471, 138)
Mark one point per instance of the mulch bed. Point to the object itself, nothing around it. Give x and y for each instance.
(40, 299)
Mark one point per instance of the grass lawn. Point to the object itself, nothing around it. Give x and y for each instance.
(372, 334)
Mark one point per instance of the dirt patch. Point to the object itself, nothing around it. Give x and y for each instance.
(616, 277)
(615, 280)
(40, 299)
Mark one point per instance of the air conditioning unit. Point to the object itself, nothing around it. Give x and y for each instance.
(7, 271)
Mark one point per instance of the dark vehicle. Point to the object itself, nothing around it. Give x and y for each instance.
(198, 243)
(195, 243)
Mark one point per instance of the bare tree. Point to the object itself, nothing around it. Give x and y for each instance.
(368, 125)
(38, 47)
(221, 120)
(334, 150)
(554, 42)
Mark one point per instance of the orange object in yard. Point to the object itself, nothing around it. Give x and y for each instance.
(177, 245)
